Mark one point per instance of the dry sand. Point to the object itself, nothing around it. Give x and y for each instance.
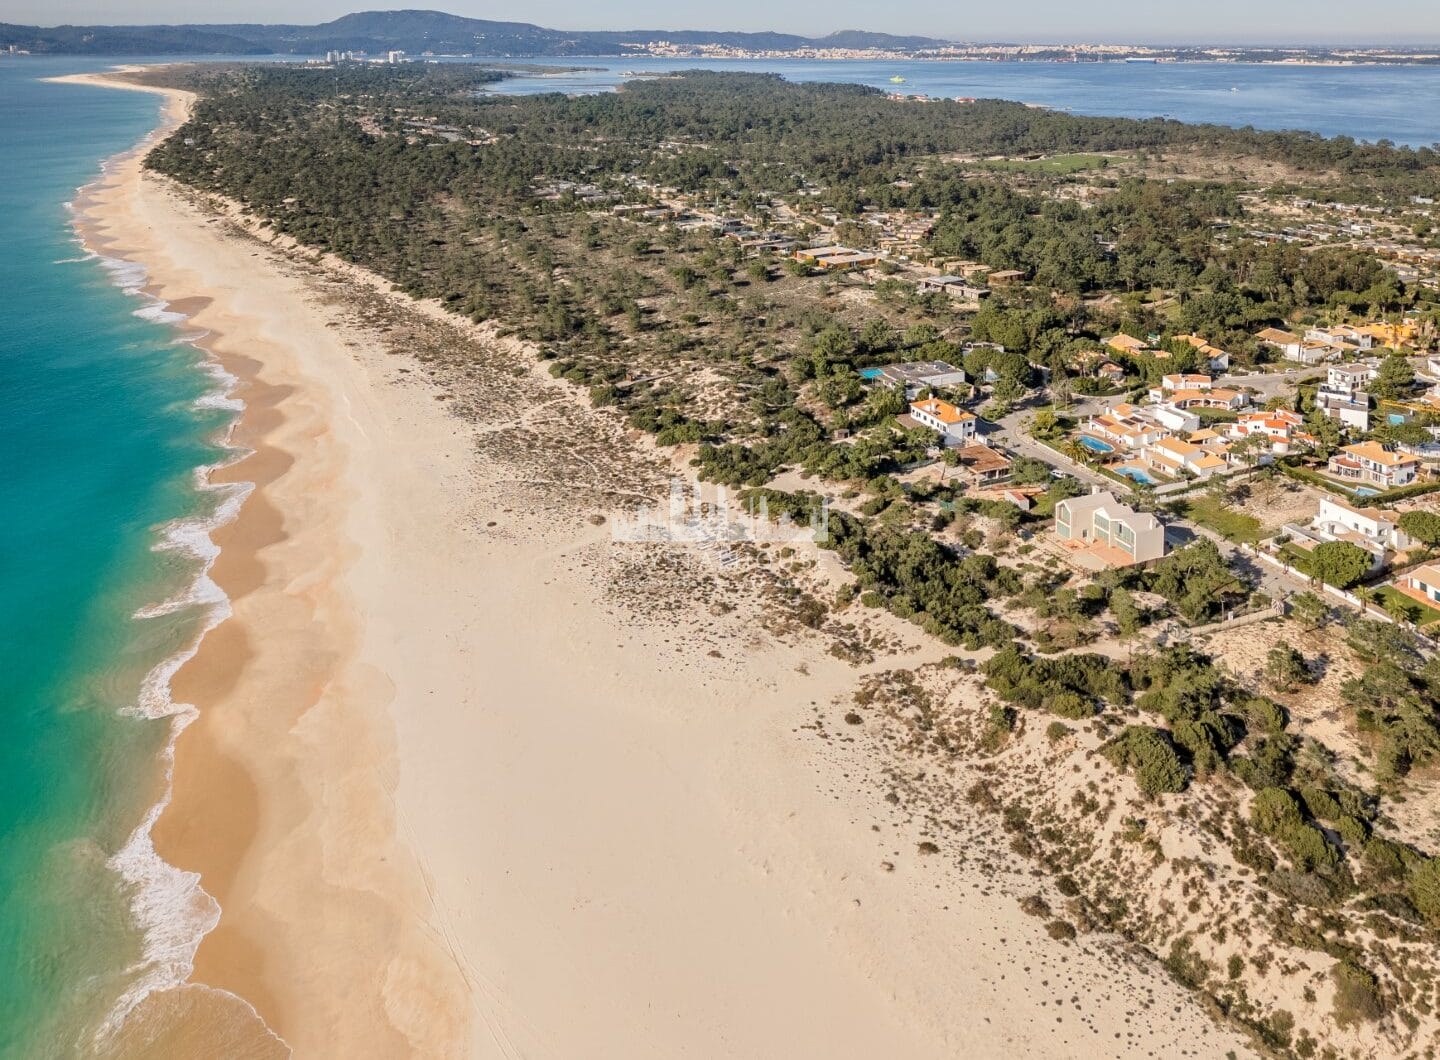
(457, 794)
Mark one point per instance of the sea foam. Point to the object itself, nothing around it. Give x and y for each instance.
(168, 905)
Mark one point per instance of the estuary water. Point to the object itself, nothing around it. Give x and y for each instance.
(1396, 103)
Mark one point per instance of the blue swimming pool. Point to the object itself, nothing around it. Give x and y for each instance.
(1095, 445)
(1365, 491)
(871, 373)
(1137, 475)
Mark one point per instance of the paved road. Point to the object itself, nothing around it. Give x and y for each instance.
(1010, 432)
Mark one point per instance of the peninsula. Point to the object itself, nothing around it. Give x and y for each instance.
(1102, 715)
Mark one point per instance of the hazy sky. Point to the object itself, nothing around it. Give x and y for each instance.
(1390, 21)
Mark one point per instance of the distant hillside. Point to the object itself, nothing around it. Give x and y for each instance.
(128, 40)
(415, 32)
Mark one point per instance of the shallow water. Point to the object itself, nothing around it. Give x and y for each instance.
(104, 425)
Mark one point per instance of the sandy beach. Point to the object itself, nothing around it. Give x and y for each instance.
(470, 779)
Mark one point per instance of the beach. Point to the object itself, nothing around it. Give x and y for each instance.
(470, 779)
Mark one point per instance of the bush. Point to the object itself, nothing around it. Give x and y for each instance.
(1357, 995)
(1423, 888)
(1070, 705)
(1057, 731)
(1320, 804)
(1149, 753)
(1060, 929)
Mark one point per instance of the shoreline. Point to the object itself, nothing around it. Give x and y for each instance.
(455, 793)
(211, 824)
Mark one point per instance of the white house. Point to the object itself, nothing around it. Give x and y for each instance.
(1373, 529)
(1176, 458)
(1173, 418)
(1346, 406)
(1115, 533)
(1351, 377)
(1424, 581)
(1373, 463)
(956, 426)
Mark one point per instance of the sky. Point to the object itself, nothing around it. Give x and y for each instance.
(1135, 21)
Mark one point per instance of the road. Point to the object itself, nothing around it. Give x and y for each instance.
(1010, 432)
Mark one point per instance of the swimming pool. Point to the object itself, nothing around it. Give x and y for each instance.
(871, 373)
(1139, 476)
(1366, 491)
(1095, 445)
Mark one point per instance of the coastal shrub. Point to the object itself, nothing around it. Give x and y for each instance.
(1060, 930)
(1070, 705)
(1353, 830)
(1277, 813)
(1275, 809)
(1387, 860)
(1205, 740)
(1148, 754)
(1269, 763)
(1263, 714)
(1320, 804)
(1357, 994)
(1423, 889)
(1285, 668)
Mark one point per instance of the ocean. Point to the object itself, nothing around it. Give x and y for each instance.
(108, 417)
(1396, 103)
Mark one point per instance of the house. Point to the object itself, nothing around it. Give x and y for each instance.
(1114, 533)
(1282, 428)
(1123, 343)
(1375, 524)
(1208, 398)
(1111, 373)
(1006, 278)
(837, 258)
(955, 287)
(1126, 426)
(1371, 462)
(1174, 418)
(983, 465)
(1176, 458)
(1312, 353)
(1423, 582)
(1284, 341)
(1186, 381)
(1373, 529)
(1347, 407)
(1216, 359)
(1350, 377)
(916, 376)
(1343, 336)
(956, 426)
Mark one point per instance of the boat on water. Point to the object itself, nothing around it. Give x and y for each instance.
(897, 80)
(1140, 59)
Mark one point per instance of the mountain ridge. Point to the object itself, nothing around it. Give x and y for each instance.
(415, 31)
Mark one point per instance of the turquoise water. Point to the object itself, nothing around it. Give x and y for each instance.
(1095, 445)
(1396, 103)
(1135, 474)
(1366, 491)
(101, 439)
